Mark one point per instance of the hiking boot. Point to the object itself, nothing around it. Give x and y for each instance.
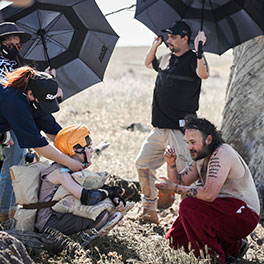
(149, 216)
(243, 249)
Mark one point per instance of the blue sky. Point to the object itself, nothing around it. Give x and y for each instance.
(130, 30)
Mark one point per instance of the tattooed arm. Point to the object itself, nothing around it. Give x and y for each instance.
(187, 176)
(219, 166)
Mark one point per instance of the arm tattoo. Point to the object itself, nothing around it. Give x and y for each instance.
(214, 166)
(184, 172)
(179, 178)
(176, 189)
(173, 166)
(192, 192)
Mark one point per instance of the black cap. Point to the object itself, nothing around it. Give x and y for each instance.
(10, 28)
(179, 28)
(45, 89)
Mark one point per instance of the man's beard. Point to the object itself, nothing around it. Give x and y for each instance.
(203, 153)
(173, 49)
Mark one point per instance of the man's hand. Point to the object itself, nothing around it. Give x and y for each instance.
(50, 71)
(200, 37)
(157, 41)
(170, 156)
(164, 184)
(59, 93)
(152, 52)
(121, 206)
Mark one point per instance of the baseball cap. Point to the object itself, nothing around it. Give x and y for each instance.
(45, 89)
(179, 28)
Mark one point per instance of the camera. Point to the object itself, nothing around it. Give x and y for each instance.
(31, 157)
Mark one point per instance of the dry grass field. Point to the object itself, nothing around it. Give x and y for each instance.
(108, 108)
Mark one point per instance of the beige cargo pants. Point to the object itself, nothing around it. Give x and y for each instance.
(150, 158)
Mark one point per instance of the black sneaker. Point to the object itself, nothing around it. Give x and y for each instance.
(242, 252)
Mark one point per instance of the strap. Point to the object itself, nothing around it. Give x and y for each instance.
(39, 205)
(178, 77)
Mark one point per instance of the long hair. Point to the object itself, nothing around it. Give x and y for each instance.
(19, 78)
(206, 128)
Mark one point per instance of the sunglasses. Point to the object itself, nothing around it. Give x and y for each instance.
(18, 46)
(81, 150)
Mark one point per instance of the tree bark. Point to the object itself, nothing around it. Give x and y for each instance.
(243, 115)
(13, 251)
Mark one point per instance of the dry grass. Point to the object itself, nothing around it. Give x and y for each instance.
(107, 109)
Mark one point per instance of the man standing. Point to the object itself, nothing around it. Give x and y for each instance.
(225, 208)
(176, 94)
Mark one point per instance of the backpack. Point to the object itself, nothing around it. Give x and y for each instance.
(26, 184)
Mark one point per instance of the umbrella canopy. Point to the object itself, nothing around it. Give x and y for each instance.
(72, 36)
(226, 23)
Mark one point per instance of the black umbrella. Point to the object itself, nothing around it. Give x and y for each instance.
(226, 23)
(71, 36)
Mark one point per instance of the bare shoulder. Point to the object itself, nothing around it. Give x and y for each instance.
(225, 151)
(230, 158)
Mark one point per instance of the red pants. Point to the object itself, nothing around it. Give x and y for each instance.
(219, 224)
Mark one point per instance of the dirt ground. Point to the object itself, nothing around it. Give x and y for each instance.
(108, 109)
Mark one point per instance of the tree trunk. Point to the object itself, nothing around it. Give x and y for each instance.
(243, 115)
(12, 250)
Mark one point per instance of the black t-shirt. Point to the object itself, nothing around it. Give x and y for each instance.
(177, 89)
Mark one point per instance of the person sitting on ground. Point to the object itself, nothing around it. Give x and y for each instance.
(75, 142)
(225, 209)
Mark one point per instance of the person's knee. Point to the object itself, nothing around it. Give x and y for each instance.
(188, 203)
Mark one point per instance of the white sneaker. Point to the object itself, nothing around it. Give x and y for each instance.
(112, 221)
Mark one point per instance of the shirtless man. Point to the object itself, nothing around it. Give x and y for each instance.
(221, 211)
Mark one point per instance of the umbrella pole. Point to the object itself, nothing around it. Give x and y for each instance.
(41, 33)
(200, 44)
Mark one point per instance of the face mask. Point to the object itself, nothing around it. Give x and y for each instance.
(9, 53)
